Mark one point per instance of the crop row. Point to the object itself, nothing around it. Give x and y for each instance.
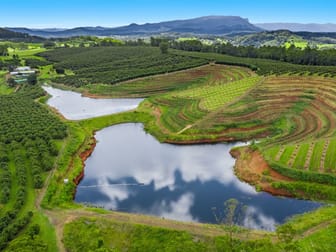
(27, 146)
(314, 156)
(209, 74)
(114, 64)
(215, 96)
(265, 66)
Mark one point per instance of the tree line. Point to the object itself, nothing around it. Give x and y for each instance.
(292, 54)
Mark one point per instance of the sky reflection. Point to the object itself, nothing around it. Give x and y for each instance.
(136, 173)
(74, 106)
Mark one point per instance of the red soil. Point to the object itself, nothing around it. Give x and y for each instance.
(84, 156)
(251, 167)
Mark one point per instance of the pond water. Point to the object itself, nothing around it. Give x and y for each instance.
(74, 106)
(131, 171)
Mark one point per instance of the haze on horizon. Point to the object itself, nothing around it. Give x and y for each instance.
(75, 13)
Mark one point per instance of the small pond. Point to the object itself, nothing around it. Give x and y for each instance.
(131, 171)
(74, 106)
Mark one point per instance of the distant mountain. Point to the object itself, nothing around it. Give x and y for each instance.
(298, 27)
(60, 33)
(6, 34)
(212, 25)
(209, 25)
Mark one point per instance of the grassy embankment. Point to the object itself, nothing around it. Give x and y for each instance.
(302, 233)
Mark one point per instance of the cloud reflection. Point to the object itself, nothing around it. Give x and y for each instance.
(146, 160)
(141, 175)
(74, 106)
(256, 219)
(174, 210)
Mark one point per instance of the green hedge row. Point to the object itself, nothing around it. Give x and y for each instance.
(308, 176)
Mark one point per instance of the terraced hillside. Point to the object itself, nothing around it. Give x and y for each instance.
(159, 84)
(293, 118)
(304, 148)
(180, 110)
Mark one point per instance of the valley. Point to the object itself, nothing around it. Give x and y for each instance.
(121, 147)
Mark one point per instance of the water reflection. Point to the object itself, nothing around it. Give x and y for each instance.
(131, 171)
(74, 106)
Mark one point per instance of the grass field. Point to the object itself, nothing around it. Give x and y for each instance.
(305, 233)
(28, 51)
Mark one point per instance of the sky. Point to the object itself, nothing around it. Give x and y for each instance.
(112, 13)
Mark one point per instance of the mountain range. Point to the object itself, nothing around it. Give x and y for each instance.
(209, 25)
(236, 29)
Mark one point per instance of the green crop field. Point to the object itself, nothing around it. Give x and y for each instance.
(215, 96)
(264, 66)
(286, 154)
(191, 105)
(149, 86)
(27, 150)
(108, 65)
(330, 160)
(315, 160)
(301, 156)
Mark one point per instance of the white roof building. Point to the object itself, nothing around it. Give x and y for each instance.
(24, 68)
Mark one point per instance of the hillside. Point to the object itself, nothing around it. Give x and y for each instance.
(266, 38)
(211, 25)
(6, 34)
(285, 38)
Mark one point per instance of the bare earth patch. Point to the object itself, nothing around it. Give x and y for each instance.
(252, 168)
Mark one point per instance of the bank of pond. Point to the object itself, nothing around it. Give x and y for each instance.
(130, 171)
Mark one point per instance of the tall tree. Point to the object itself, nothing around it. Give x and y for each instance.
(3, 50)
(32, 79)
(164, 47)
